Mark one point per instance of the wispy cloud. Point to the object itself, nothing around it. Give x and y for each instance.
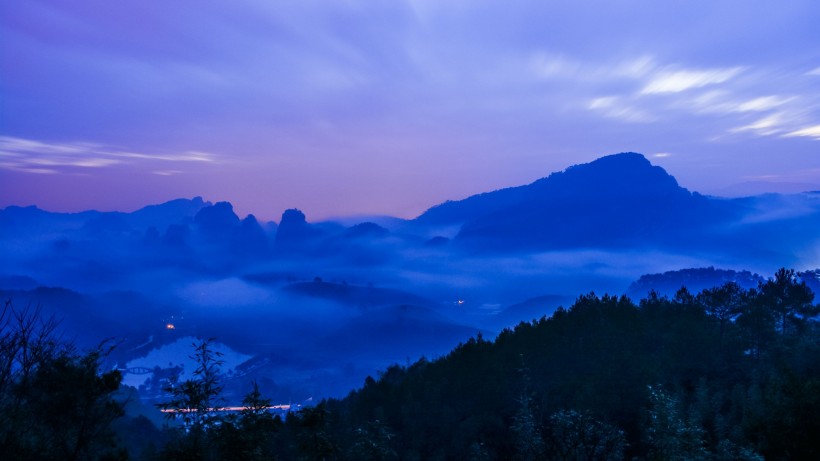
(762, 104)
(768, 125)
(685, 79)
(40, 157)
(723, 102)
(326, 87)
(736, 99)
(810, 132)
(546, 66)
(634, 68)
(618, 108)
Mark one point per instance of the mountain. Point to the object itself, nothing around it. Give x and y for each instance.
(31, 221)
(216, 220)
(620, 201)
(294, 232)
(165, 214)
(695, 280)
(698, 279)
(208, 272)
(627, 175)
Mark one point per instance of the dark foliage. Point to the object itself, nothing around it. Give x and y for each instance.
(54, 401)
(728, 373)
(712, 376)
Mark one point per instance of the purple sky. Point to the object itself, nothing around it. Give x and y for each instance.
(389, 107)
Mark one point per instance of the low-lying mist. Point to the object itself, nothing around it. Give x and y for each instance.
(316, 307)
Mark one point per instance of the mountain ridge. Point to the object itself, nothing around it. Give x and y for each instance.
(639, 204)
(635, 201)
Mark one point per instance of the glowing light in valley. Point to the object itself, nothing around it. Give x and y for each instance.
(283, 407)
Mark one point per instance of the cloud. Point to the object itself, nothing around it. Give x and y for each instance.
(682, 80)
(635, 68)
(34, 156)
(765, 126)
(675, 93)
(810, 132)
(615, 107)
(762, 104)
(310, 88)
(546, 66)
(725, 102)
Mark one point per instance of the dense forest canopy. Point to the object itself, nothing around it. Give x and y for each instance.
(727, 373)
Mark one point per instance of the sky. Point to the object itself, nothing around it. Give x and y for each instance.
(345, 108)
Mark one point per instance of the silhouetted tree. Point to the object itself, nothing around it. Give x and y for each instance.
(257, 427)
(314, 443)
(643, 382)
(372, 443)
(669, 435)
(54, 401)
(723, 303)
(789, 298)
(526, 427)
(577, 436)
(195, 403)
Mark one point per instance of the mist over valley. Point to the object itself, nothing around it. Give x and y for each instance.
(310, 309)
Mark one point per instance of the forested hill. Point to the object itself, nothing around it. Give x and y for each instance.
(728, 373)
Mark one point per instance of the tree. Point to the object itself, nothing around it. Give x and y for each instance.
(578, 436)
(256, 427)
(527, 432)
(54, 401)
(684, 296)
(669, 435)
(195, 402)
(372, 443)
(723, 303)
(789, 299)
(313, 441)
(526, 428)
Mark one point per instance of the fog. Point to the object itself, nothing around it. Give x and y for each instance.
(311, 309)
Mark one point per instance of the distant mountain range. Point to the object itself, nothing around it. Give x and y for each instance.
(617, 201)
(286, 293)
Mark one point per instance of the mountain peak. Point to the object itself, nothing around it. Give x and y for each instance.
(624, 174)
(623, 193)
(620, 158)
(293, 230)
(218, 217)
